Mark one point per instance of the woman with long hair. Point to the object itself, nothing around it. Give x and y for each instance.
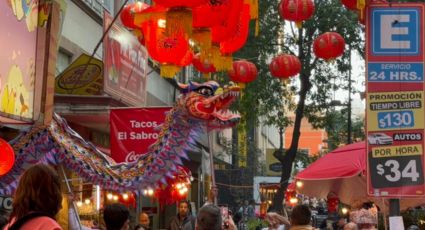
(37, 200)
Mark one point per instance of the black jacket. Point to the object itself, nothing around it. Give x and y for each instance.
(188, 223)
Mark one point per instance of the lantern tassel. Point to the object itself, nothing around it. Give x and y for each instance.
(202, 38)
(253, 6)
(221, 63)
(299, 24)
(169, 71)
(179, 19)
(206, 76)
(361, 4)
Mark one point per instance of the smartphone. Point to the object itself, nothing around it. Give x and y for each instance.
(224, 209)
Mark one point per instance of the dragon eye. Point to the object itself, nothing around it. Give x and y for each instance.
(205, 91)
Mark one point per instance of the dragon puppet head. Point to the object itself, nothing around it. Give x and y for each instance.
(208, 101)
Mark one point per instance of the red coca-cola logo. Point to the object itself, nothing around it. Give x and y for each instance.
(132, 156)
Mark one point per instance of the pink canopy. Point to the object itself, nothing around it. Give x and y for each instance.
(342, 171)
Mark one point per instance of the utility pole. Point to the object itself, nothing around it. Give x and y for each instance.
(349, 100)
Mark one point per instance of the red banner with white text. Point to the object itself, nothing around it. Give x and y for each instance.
(133, 131)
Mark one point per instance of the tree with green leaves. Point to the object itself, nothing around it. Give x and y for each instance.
(269, 100)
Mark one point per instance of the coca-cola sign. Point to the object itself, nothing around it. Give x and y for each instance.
(133, 131)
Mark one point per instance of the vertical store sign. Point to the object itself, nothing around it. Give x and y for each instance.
(395, 99)
(125, 64)
(133, 131)
(18, 44)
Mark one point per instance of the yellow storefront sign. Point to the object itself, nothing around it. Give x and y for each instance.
(397, 151)
(81, 77)
(395, 110)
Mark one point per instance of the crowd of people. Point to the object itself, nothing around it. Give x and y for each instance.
(38, 199)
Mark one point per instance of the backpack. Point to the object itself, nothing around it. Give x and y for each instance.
(21, 221)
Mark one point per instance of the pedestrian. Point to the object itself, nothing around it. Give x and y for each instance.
(301, 218)
(144, 221)
(116, 217)
(37, 200)
(276, 222)
(184, 219)
(209, 218)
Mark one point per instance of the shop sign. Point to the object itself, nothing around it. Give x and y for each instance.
(6, 202)
(134, 130)
(18, 45)
(81, 77)
(126, 63)
(395, 97)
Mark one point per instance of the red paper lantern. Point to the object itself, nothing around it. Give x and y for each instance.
(181, 3)
(176, 189)
(128, 199)
(329, 45)
(203, 67)
(285, 66)
(296, 10)
(7, 157)
(350, 4)
(238, 40)
(243, 72)
(129, 11)
(166, 48)
(332, 202)
(213, 13)
(227, 29)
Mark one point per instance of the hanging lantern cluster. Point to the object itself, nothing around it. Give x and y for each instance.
(128, 198)
(176, 31)
(357, 5)
(296, 10)
(329, 45)
(176, 189)
(285, 66)
(243, 72)
(7, 157)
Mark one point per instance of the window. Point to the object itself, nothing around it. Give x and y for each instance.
(63, 61)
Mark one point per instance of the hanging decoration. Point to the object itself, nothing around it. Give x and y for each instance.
(213, 28)
(239, 39)
(213, 13)
(177, 187)
(129, 11)
(243, 72)
(296, 10)
(128, 199)
(181, 3)
(194, 112)
(7, 157)
(329, 45)
(203, 66)
(350, 4)
(285, 66)
(227, 29)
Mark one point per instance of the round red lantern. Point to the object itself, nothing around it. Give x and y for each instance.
(285, 66)
(296, 10)
(203, 67)
(213, 13)
(176, 189)
(227, 29)
(238, 40)
(7, 157)
(329, 45)
(129, 11)
(350, 4)
(181, 3)
(332, 202)
(243, 72)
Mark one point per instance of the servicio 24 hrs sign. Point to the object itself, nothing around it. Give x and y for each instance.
(395, 97)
